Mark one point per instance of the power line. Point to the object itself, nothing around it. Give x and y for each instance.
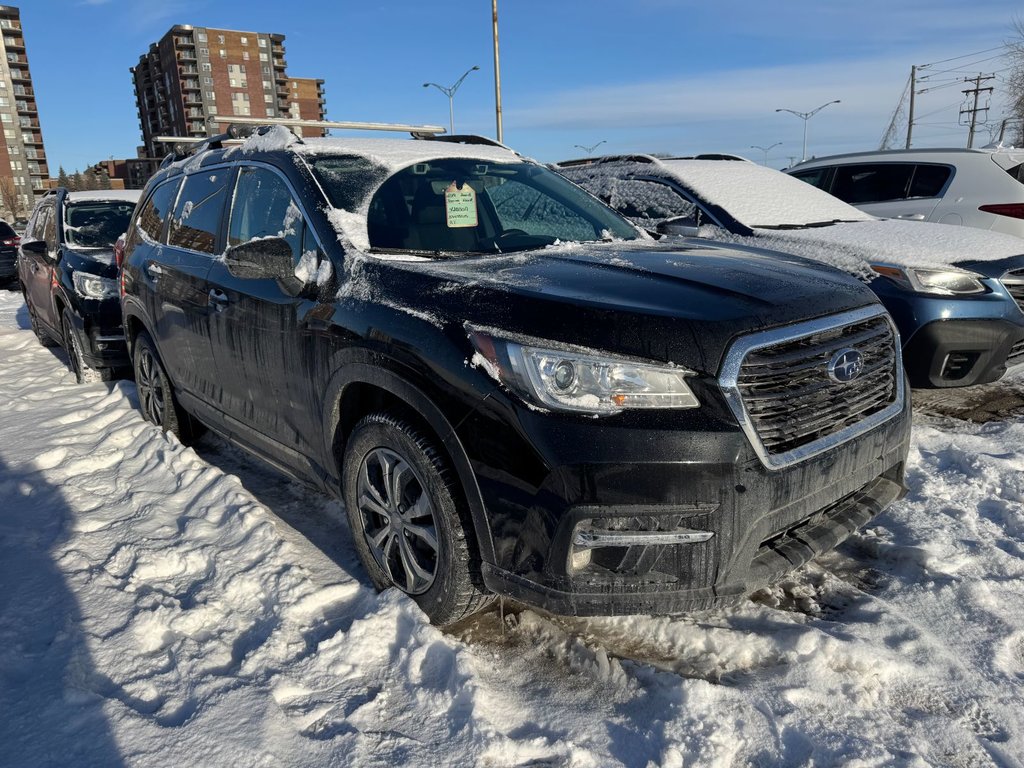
(965, 56)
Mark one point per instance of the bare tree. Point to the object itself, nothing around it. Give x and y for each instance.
(9, 197)
(1015, 80)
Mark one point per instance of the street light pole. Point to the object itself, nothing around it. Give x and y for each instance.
(592, 147)
(450, 93)
(765, 149)
(805, 116)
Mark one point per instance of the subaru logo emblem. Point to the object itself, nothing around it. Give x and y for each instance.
(845, 365)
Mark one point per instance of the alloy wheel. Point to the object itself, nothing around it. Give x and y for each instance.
(150, 387)
(398, 520)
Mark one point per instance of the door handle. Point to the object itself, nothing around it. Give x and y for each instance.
(911, 216)
(218, 299)
(154, 270)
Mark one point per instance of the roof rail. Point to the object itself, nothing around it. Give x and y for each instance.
(610, 159)
(467, 138)
(289, 122)
(191, 145)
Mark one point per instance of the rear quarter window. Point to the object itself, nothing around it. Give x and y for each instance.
(930, 180)
(150, 219)
(196, 220)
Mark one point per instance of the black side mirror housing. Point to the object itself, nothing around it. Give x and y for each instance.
(35, 247)
(685, 226)
(268, 258)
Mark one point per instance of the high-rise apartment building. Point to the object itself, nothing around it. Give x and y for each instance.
(23, 168)
(194, 73)
(306, 101)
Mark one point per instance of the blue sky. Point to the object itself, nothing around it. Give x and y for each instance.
(674, 76)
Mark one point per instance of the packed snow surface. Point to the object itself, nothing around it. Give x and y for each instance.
(172, 606)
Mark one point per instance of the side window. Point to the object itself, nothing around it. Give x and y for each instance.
(196, 218)
(263, 207)
(150, 220)
(929, 180)
(872, 183)
(816, 177)
(49, 227)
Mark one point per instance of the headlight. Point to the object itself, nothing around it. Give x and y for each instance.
(582, 380)
(94, 286)
(943, 282)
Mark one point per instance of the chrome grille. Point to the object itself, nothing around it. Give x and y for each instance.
(783, 396)
(1014, 284)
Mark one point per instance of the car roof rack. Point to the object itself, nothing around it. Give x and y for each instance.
(465, 138)
(419, 131)
(609, 159)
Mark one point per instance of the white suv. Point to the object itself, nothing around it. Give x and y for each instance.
(981, 188)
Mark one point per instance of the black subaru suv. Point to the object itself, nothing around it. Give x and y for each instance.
(512, 389)
(68, 276)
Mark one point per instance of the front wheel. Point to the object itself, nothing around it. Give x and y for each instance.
(84, 374)
(408, 523)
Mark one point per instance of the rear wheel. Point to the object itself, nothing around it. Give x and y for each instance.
(157, 402)
(84, 374)
(408, 522)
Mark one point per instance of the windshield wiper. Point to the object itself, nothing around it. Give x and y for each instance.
(808, 225)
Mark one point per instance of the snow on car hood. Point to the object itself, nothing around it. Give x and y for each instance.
(852, 245)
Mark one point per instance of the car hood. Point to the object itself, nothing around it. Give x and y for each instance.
(96, 261)
(677, 304)
(850, 246)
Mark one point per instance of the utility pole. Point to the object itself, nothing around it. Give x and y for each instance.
(913, 90)
(973, 111)
(497, 71)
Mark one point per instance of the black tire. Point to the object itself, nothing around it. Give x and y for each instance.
(157, 402)
(84, 374)
(44, 338)
(415, 526)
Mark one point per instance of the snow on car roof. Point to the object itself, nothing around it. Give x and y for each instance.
(396, 154)
(760, 197)
(131, 195)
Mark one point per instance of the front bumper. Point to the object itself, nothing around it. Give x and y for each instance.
(961, 353)
(102, 335)
(702, 475)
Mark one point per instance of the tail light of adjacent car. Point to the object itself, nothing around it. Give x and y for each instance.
(1013, 210)
(11, 241)
(119, 251)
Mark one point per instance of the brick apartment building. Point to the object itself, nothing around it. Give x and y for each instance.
(306, 101)
(23, 168)
(194, 73)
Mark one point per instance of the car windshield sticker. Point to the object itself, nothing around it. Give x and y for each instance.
(460, 205)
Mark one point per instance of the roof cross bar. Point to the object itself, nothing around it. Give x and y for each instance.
(299, 123)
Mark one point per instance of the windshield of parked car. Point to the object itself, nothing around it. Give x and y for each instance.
(459, 205)
(96, 223)
(759, 197)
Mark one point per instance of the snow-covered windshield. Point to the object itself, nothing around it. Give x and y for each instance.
(465, 205)
(760, 197)
(96, 223)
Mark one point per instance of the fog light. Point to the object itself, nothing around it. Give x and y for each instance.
(579, 559)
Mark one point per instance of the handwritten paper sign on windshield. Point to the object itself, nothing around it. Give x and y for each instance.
(460, 206)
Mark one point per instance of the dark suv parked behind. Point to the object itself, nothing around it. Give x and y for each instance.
(69, 277)
(513, 390)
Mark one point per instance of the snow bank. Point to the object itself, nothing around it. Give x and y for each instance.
(174, 606)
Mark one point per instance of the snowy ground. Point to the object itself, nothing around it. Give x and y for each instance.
(168, 606)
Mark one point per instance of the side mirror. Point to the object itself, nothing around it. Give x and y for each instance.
(34, 247)
(684, 226)
(268, 258)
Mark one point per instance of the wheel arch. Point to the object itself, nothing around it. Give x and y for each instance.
(363, 387)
